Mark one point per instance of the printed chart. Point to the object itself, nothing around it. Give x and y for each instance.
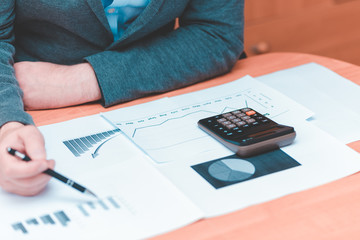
(81, 145)
(71, 217)
(231, 170)
(172, 135)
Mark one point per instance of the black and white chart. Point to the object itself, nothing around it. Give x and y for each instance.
(173, 134)
(232, 169)
(72, 218)
(81, 145)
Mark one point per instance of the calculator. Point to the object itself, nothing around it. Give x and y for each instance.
(247, 132)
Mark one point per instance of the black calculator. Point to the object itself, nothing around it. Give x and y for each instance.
(247, 132)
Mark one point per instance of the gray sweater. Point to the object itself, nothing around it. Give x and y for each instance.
(150, 57)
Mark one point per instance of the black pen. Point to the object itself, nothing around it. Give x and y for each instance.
(54, 174)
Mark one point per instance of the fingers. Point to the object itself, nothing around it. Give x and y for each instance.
(17, 169)
(29, 141)
(26, 186)
(16, 175)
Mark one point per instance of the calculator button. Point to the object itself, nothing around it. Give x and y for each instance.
(236, 112)
(245, 118)
(246, 109)
(255, 123)
(230, 117)
(240, 115)
(236, 120)
(251, 112)
(226, 123)
(240, 124)
(251, 120)
(230, 126)
(227, 114)
(222, 120)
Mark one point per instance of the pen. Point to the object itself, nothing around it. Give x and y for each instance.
(54, 174)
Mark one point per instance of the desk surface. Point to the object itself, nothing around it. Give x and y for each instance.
(331, 211)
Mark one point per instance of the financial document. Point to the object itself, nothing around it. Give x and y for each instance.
(131, 192)
(334, 99)
(196, 163)
(154, 170)
(167, 129)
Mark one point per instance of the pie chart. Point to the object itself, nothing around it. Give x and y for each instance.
(231, 170)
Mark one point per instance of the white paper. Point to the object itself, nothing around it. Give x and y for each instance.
(168, 131)
(150, 204)
(334, 99)
(156, 198)
(322, 158)
(173, 139)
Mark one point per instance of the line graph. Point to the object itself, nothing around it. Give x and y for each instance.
(242, 99)
(173, 134)
(170, 119)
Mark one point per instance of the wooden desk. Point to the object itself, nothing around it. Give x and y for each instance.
(331, 211)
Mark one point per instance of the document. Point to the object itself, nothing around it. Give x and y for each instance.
(167, 131)
(155, 171)
(334, 99)
(184, 153)
(135, 200)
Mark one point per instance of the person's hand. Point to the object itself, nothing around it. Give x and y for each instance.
(16, 175)
(47, 85)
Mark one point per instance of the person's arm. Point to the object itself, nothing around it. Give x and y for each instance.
(16, 176)
(48, 85)
(11, 105)
(208, 43)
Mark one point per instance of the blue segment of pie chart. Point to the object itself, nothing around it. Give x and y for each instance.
(230, 170)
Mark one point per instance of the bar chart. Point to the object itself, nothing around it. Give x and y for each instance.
(81, 145)
(65, 218)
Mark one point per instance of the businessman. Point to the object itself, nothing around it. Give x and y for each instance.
(59, 53)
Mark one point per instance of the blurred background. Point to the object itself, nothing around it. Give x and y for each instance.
(324, 27)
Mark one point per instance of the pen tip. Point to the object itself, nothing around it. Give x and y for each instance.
(87, 191)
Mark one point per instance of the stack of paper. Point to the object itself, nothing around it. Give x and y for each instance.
(156, 171)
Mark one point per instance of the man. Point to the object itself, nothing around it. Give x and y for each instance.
(72, 52)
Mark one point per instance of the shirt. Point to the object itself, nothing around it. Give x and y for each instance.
(121, 13)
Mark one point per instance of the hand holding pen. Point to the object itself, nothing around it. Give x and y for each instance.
(16, 175)
(52, 173)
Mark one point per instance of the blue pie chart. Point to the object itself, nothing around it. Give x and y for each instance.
(231, 170)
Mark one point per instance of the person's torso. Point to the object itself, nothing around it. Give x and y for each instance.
(66, 31)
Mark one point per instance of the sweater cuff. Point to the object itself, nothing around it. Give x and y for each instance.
(15, 116)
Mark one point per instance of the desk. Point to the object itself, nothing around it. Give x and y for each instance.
(331, 211)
